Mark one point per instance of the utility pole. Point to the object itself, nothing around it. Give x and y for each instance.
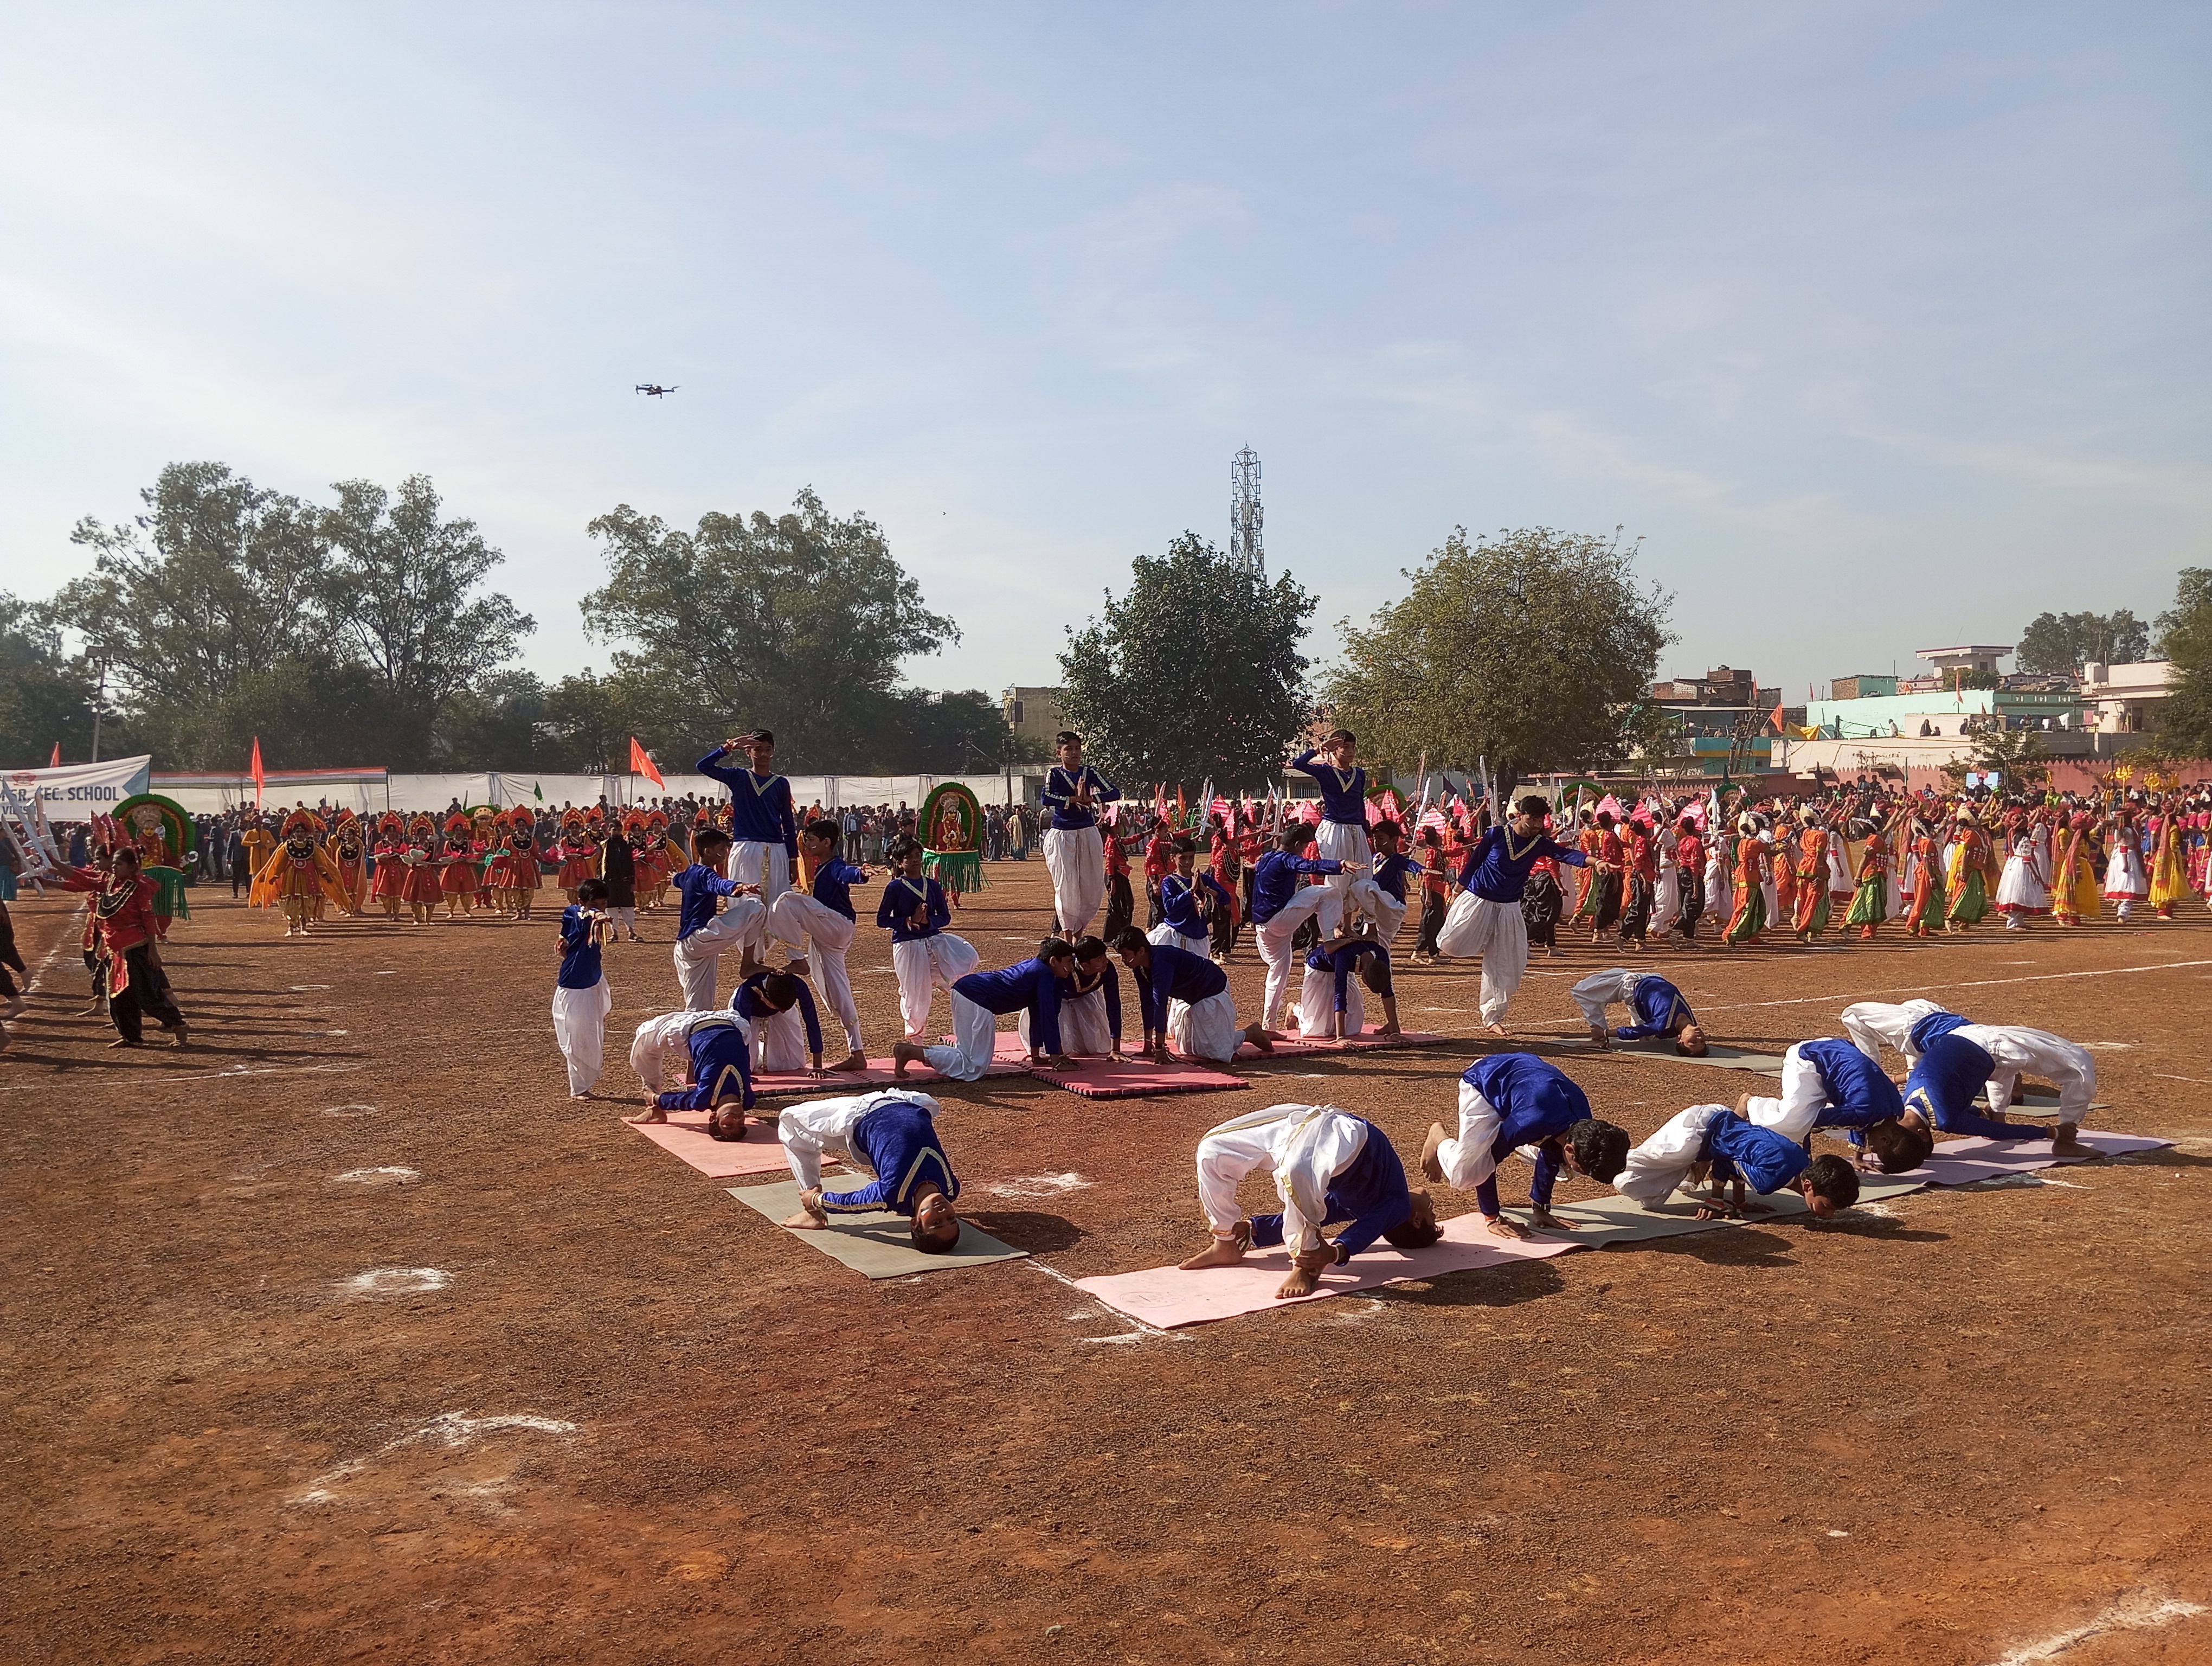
(1245, 517)
(97, 655)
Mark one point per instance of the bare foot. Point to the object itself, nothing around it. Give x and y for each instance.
(798, 968)
(1260, 1038)
(1497, 1030)
(1498, 1226)
(180, 1037)
(1390, 1029)
(655, 1114)
(803, 1222)
(2067, 1138)
(1432, 1164)
(123, 1041)
(1299, 1283)
(902, 1054)
(1600, 1036)
(1221, 1252)
(855, 1060)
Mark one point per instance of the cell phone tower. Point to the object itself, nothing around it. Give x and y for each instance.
(1245, 515)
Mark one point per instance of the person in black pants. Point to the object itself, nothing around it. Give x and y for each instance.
(233, 859)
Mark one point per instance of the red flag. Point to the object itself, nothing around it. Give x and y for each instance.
(1160, 800)
(260, 780)
(639, 764)
(57, 762)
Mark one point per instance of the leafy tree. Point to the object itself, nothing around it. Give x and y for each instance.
(400, 589)
(586, 725)
(43, 693)
(958, 732)
(1532, 650)
(798, 622)
(1194, 672)
(2064, 642)
(496, 724)
(2186, 638)
(2018, 755)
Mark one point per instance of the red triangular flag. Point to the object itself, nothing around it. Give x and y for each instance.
(57, 762)
(639, 764)
(260, 780)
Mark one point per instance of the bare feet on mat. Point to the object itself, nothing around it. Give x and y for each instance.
(1497, 1030)
(2067, 1138)
(1498, 1226)
(902, 1054)
(1433, 1165)
(652, 1113)
(855, 1060)
(1301, 1282)
(1260, 1038)
(1221, 1252)
(1600, 1036)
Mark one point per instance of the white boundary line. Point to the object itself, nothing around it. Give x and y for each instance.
(2136, 1614)
(1142, 1329)
(1973, 983)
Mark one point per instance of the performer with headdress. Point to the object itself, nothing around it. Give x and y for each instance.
(389, 884)
(126, 954)
(424, 890)
(580, 852)
(952, 825)
(1970, 858)
(162, 834)
(1927, 906)
(457, 867)
(298, 871)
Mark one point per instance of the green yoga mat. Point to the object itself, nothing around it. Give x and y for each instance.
(1618, 1220)
(1717, 1054)
(874, 1244)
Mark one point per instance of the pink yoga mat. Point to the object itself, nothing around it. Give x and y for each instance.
(684, 1134)
(798, 1084)
(1168, 1296)
(1962, 1162)
(1102, 1079)
(1366, 1042)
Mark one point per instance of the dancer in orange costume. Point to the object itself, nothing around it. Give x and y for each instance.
(1810, 916)
(1749, 917)
(389, 885)
(297, 872)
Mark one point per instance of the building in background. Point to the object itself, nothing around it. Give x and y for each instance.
(1034, 713)
(2125, 699)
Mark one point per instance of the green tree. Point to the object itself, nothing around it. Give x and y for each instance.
(2185, 637)
(403, 596)
(498, 724)
(1194, 672)
(1532, 650)
(586, 725)
(796, 623)
(2064, 642)
(2018, 755)
(43, 693)
(957, 732)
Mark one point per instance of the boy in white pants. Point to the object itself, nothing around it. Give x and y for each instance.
(1281, 903)
(582, 999)
(925, 956)
(1074, 852)
(825, 919)
(701, 935)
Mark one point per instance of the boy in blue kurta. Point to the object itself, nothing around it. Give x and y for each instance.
(1342, 834)
(582, 999)
(1484, 920)
(764, 826)
(1512, 1100)
(1737, 1152)
(1829, 1083)
(1947, 1080)
(890, 1136)
(1655, 1007)
(980, 999)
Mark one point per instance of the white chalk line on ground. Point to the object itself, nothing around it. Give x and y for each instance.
(205, 1075)
(2138, 1614)
(452, 1430)
(1972, 983)
(1138, 1335)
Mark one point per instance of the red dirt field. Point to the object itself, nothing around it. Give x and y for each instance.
(635, 1421)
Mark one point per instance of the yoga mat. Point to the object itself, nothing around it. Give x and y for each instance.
(1609, 1220)
(684, 1134)
(799, 1084)
(1367, 1041)
(875, 1244)
(1102, 1079)
(1168, 1296)
(1962, 1162)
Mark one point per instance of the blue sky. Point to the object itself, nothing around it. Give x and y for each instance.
(1884, 326)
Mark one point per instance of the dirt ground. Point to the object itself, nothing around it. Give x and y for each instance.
(615, 1416)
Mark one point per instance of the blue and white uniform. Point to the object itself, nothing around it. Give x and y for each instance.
(1342, 833)
(980, 999)
(1767, 1160)
(702, 936)
(1089, 1013)
(1484, 919)
(1280, 904)
(1951, 1072)
(1186, 996)
(826, 921)
(1510, 1102)
(778, 1037)
(1380, 893)
(1326, 1164)
(1333, 985)
(1658, 1007)
(890, 1136)
(721, 1065)
(1182, 926)
(763, 829)
(581, 1001)
(1827, 1084)
(1871, 1024)
(1074, 854)
(925, 957)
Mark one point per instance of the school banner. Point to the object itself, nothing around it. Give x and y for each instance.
(77, 792)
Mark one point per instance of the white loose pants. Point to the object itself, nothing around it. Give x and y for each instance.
(1303, 1146)
(1318, 1005)
(1496, 932)
(1804, 1095)
(922, 966)
(975, 1034)
(1165, 934)
(1204, 1029)
(699, 957)
(1341, 842)
(579, 1024)
(1469, 1160)
(769, 866)
(797, 917)
(1075, 859)
(1316, 903)
(1602, 989)
(1083, 1026)
(1377, 904)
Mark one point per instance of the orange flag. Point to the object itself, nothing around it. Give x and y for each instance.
(57, 763)
(639, 764)
(259, 780)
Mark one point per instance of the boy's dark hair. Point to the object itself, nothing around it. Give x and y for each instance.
(1066, 738)
(1375, 972)
(1129, 940)
(1834, 1179)
(1344, 735)
(1385, 828)
(1054, 948)
(780, 990)
(1408, 1234)
(1432, 838)
(1899, 1149)
(928, 1243)
(1090, 948)
(1534, 805)
(764, 736)
(1294, 836)
(592, 890)
(901, 848)
(1600, 1149)
(823, 828)
(1185, 848)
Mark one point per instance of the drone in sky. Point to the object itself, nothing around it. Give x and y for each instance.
(655, 388)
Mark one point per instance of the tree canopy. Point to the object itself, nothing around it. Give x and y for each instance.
(2185, 637)
(2064, 642)
(1533, 649)
(1194, 672)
